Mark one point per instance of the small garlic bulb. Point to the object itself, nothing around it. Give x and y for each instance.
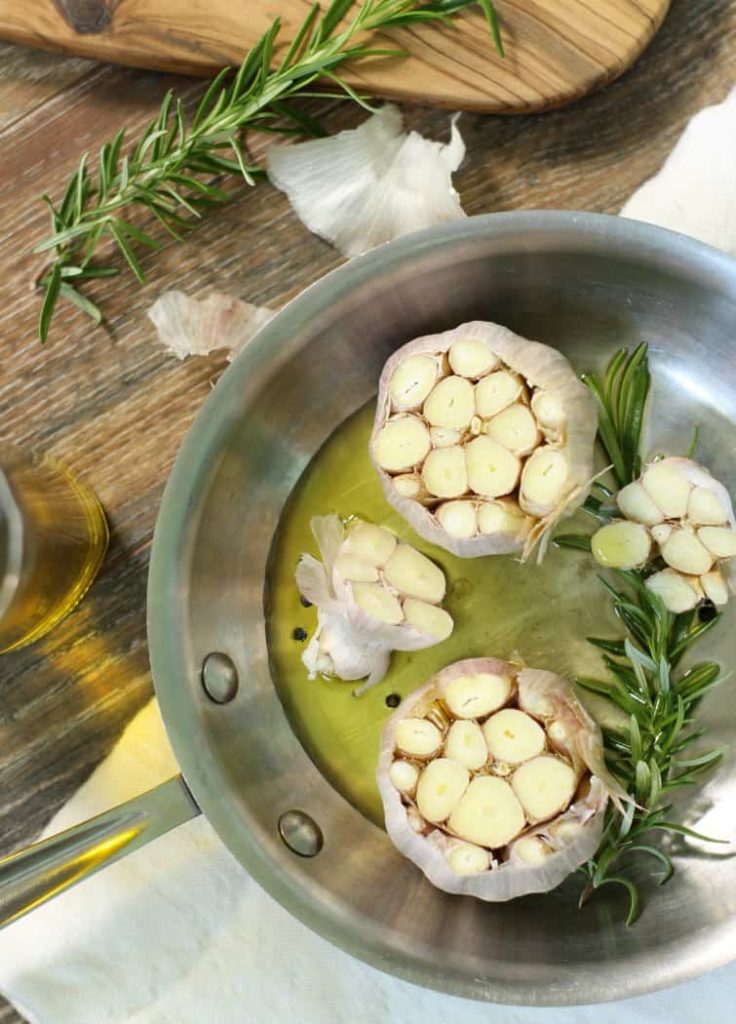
(482, 439)
(504, 770)
(374, 594)
(678, 512)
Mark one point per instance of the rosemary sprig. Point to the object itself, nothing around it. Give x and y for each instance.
(169, 173)
(651, 758)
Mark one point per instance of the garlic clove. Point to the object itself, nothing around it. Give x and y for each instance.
(719, 540)
(622, 545)
(686, 553)
(416, 737)
(677, 594)
(428, 618)
(402, 444)
(415, 821)
(458, 518)
(488, 814)
(661, 533)
(513, 736)
(503, 516)
(476, 694)
(492, 470)
(668, 488)
(530, 849)
(378, 603)
(515, 428)
(444, 472)
(409, 485)
(636, 504)
(451, 404)
(443, 437)
(467, 859)
(440, 787)
(372, 544)
(472, 358)
(714, 587)
(704, 508)
(412, 573)
(497, 391)
(543, 481)
(412, 381)
(544, 786)
(550, 414)
(465, 744)
(350, 567)
(404, 775)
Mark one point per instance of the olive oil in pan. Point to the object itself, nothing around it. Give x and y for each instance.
(500, 607)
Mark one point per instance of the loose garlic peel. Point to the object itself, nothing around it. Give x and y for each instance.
(482, 440)
(677, 512)
(509, 786)
(374, 594)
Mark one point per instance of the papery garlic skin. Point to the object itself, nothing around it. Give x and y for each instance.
(373, 594)
(510, 434)
(481, 833)
(196, 327)
(677, 512)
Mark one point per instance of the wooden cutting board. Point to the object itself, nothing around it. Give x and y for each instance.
(556, 50)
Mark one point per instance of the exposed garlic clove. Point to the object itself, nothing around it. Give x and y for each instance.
(416, 737)
(404, 775)
(686, 553)
(443, 437)
(476, 694)
(416, 821)
(544, 786)
(543, 481)
(565, 830)
(412, 573)
(458, 518)
(378, 603)
(516, 429)
(350, 567)
(661, 533)
(503, 516)
(488, 814)
(636, 504)
(668, 488)
(622, 545)
(451, 403)
(704, 508)
(412, 381)
(714, 587)
(444, 472)
(513, 736)
(409, 485)
(719, 540)
(497, 391)
(530, 849)
(492, 470)
(372, 544)
(440, 787)
(471, 358)
(677, 594)
(467, 859)
(464, 743)
(536, 703)
(428, 618)
(402, 444)
(550, 414)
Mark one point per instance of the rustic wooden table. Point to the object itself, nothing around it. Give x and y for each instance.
(116, 408)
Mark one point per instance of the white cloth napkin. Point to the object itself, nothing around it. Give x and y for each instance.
(177, 933)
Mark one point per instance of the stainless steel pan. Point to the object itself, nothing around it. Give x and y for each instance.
(585, 283)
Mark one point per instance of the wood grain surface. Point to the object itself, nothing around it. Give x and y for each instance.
(556, 50)
(117, 408)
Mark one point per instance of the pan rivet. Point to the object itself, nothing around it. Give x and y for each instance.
(301, 833)
(219, 677)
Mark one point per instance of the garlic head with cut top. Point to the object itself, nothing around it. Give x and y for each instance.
(482, 440)
(493, 780)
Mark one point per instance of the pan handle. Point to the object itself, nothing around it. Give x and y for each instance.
(32, 876)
